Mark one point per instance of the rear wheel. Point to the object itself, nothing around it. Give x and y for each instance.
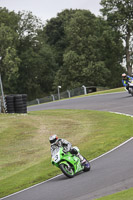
(67, 170)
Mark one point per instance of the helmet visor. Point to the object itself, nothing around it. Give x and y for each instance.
(124, 76)
(53, 141)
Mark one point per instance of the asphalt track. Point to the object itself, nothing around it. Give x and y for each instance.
(110, 173)
(115, 102)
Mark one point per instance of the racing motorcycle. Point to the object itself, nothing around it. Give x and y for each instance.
(130, 84)
(68, 163)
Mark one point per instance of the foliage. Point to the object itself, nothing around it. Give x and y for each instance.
(37, 69)
(8, 40)
(93, 53)
(55, 34)
(119, 15)
(73, 49)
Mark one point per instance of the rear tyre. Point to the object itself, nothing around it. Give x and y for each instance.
(67, 170)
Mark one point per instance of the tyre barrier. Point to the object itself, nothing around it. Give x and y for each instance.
(10, 104)
(16, 103)
(91, 89)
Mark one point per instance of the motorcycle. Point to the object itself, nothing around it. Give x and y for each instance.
(68, 163)
(130, 85)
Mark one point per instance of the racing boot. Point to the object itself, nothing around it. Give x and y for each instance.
(82, 159)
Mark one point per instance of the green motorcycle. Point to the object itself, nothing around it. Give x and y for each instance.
(68, 163)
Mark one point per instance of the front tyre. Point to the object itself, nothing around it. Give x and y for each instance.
(87, 166)
(67, 170)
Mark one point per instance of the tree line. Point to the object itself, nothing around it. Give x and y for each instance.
(73, 49)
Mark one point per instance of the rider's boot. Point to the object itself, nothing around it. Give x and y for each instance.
(82, 159)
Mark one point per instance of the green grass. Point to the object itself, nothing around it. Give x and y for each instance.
(25, 149)
(124, 195)
(121, 89)
(101, 91)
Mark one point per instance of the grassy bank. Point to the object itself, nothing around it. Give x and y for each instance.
(25, 149)
(103, 91)
(124, 195)
(121, 89)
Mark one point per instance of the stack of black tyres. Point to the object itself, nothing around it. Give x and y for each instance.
(24, 97)
(18, 104)
(10, 104)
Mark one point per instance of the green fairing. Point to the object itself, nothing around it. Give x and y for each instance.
(68, 159)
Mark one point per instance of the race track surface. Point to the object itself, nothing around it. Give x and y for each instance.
(110, 173)
(115, 102)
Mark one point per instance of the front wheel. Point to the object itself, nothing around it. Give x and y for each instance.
(67, 170)
(131, 91)
(87, 166)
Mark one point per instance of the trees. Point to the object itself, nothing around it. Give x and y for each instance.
(8, 42)
(110, 50)
(93, 53)
(73, 49)
(119, 15)
(27, 63)
(36, 70)
(55, 33)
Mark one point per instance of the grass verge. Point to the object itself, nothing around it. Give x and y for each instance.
(124, 195)
(25, 149)
(121, 89)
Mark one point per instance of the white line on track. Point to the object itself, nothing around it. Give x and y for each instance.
(121, 114)
(113, 149)
(90, 161)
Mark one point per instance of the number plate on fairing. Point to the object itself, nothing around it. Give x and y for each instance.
(56, 157)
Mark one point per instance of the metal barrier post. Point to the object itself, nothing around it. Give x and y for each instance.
(53, 97)
(38, 101)
(59, 92)
(85, 92)
(68, 93)
(3, 105)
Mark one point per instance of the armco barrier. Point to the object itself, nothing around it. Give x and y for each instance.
(67, 94)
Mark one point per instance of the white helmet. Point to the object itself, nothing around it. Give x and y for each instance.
(124, 75)
(53, 139)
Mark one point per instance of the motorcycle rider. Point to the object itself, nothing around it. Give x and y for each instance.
(67, 146)
(125, 80)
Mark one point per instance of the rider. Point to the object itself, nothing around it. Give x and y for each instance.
(58, 142)
(125, 80)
